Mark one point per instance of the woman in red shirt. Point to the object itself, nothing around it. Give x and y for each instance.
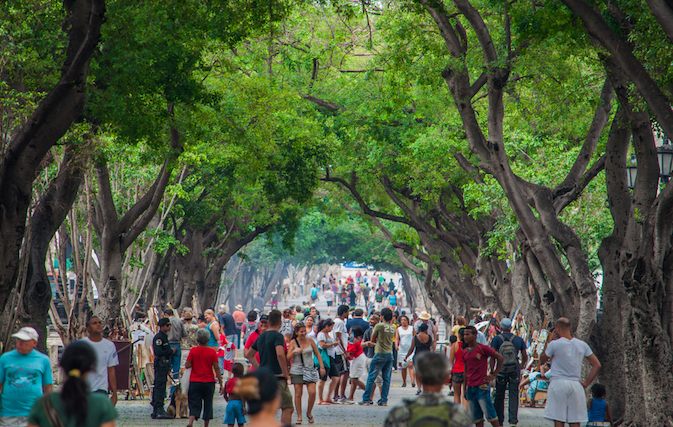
(203, 361)
(458, 370)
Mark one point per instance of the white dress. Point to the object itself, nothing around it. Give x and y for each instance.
(406, 336)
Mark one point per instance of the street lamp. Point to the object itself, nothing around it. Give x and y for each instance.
(632, 171)
(665, 157)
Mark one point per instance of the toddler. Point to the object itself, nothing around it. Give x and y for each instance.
(598, 407)
(234, 411)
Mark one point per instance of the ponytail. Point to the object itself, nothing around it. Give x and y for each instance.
(78, 359)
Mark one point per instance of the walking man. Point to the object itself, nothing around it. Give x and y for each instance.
(509, 346)
(102, 378)
(566, 401)
(382, 336)
(227, 324)
(25, 375)
(162, 365)
(175, 335)
(271, 348)
(476, 357)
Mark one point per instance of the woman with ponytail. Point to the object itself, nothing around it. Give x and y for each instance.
(74, 405)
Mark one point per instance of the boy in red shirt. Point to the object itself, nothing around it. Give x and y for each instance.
(234, 411)
(358, 362)
(477, 380)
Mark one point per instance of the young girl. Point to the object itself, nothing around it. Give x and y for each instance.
(230, 353)
(598, 408)
(234, 411)
(220, 352)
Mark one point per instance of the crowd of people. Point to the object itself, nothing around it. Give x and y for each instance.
(297, 351)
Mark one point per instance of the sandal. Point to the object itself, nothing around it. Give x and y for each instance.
(298, 423)
(310, 419)
(324, 403)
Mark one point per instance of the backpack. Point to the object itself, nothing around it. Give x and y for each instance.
(429, 416)
(509, 354)
(249, 329)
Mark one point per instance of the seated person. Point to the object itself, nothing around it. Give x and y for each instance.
(536, 381)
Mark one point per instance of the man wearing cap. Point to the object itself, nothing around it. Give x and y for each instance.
(25, 375)
(102, 378)
(425, 318)
(162, 365)
(175, 335)
(227, 324)
(189, 340)
(508, 374)
(239, 317)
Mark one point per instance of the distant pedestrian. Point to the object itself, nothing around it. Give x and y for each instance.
(262, 326)
(476, 357)
(162, 366)
(431, 407)
(228, 324)
(421, 343)
(25, 375)
(240, 318)
(510, 347)
(565, 396)
(73, 403)
(102, 378)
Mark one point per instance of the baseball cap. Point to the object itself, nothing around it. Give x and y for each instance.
(26, 334)
(164, 322)
(506, 323)
(264, 318)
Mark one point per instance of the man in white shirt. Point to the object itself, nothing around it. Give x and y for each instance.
(566, 401)
(329, 298)
(103, 377)
(341, 336)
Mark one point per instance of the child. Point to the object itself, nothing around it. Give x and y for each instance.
(234, 411)
(598, 408)
(220, 352)
(230, 354)
(358, 361)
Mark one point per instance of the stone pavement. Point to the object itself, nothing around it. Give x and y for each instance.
(137, 413)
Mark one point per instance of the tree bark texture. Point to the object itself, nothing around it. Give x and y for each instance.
(45, 126)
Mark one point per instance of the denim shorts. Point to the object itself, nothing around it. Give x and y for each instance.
(479, 399)
(234, 413)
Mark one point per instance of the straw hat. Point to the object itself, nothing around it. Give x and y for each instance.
(424, 315)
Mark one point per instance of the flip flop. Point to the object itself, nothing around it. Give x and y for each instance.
(325, 403)
(298, 423)
(310, 419)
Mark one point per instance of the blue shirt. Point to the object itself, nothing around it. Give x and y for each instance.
(358, 321)
(314, 292)
(22, 376)
(597, 410)
(518, 343)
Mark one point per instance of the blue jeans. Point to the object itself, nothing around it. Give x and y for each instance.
(380, 363)
(175, 363)
(479, 400)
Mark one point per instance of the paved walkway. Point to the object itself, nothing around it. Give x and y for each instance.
(137, 413)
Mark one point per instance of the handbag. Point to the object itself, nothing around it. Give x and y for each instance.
(324, 356)
(309, 373)
(51, 413)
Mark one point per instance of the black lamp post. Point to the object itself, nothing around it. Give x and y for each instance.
(665, 157)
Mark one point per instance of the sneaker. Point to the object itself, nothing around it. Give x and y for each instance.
(366, 402)
(404, 385)
(380, 403)
(347, 401)
(413, 384)
(419, 392)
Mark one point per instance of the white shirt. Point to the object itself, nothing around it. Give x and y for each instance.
(329, 295)
(340, 326)
(106, 355)
(567, 356)
(325, 337)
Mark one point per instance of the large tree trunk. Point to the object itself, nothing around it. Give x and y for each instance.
(45, 126)
(48, 216)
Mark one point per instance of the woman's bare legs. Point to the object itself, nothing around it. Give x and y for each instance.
(321, 389)
(297, 399)
(332, 386)
(311, 399)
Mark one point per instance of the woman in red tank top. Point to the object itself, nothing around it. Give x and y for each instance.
(458, 370)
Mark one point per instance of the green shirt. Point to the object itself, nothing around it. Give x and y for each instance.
(100, 411)
(385, 332)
